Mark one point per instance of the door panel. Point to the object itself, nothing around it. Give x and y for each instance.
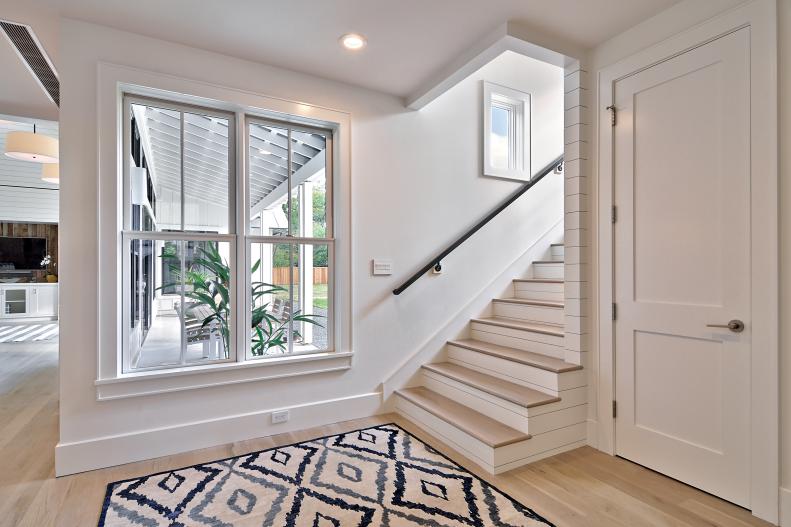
(682, 249)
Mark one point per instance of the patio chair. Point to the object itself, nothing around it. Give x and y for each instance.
(209, 336)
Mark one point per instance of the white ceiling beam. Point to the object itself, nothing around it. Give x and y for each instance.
(309, 170)
(257, 132)
(190, 139)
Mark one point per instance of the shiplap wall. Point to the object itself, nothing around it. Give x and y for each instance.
(24, 197)
(576, 212)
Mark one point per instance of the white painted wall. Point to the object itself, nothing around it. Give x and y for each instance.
(24, 197)
(678, 18)
(416, 185)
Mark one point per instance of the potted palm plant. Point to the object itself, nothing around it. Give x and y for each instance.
(207, 282)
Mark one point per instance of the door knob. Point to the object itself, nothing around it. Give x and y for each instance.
(735, 325)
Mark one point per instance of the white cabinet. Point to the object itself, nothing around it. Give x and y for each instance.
(28, 301)
(15, 301)
(46, 300)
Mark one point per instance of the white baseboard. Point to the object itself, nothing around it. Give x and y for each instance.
(103, 452)
(785, 507)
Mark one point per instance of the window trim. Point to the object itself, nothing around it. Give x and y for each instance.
(115, 80)
(519, 104)
(238, 236)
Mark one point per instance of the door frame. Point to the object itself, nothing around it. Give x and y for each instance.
(760, 17)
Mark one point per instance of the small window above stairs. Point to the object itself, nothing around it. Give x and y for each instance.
(504, 396)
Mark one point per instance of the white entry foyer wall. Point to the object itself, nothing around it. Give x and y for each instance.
(416, 185)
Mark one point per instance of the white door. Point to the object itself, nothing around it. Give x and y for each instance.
(682, 262)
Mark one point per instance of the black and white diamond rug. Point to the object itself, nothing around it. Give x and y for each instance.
(378, 476)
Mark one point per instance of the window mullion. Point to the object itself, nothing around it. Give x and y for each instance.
(289, 154)
(181, 169)
(243, 303)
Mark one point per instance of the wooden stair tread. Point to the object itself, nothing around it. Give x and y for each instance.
(535, 327)
(557, 244)
(530, 358)
(539, 280)
(529, 302)
(509, 391)
(483, 428)
(548, 261)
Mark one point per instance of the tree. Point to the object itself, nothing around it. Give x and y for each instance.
(320, 253)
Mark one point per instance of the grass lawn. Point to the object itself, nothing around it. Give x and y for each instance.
(319, 295)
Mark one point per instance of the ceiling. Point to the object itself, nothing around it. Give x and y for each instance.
(408, 40)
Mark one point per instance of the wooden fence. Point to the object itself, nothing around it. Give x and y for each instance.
(280, 275)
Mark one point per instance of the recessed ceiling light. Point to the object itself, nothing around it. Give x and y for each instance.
(353, 41)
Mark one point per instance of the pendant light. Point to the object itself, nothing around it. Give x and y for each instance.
(27, 146)
(50, 172)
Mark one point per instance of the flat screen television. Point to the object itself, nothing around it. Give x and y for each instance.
(22, 253)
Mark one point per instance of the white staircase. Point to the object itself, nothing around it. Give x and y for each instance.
(504, 396)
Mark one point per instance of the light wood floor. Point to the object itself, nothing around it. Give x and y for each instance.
(579, 488)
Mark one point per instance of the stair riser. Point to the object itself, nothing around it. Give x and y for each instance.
(487, 404)
(541, 314)
(475, 449)
(557, 252)
(540, 446)
(548, 270)
(508, 413)
(524, 374)
(495, 461)
(519, 339)
(539, 291)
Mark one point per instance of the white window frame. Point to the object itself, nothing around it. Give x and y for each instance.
(518, 105)
(328, 240)
(128, 235)
(113, 82)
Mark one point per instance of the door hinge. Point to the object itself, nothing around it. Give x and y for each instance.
(614, 214)
(614, 311)
(614, 409)
(613, 114)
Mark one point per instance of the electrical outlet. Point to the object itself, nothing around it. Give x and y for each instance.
(281, 416)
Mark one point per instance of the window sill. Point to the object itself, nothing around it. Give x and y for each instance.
(195, 377)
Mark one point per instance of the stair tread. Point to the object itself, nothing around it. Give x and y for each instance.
(536, 327)
(540, 280)
(529, 302)
(483, 428)
(530, 358)
(510, 391)
(557, 244)
(548, 261)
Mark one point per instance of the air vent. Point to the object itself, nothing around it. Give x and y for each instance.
(32, 54)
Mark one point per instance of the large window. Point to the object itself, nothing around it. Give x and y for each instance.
(204, 282)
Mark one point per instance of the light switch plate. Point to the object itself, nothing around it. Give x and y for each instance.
(381, 267)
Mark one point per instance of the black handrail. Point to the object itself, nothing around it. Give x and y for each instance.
(435, 262)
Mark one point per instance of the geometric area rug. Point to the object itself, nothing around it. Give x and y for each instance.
(377, 476)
